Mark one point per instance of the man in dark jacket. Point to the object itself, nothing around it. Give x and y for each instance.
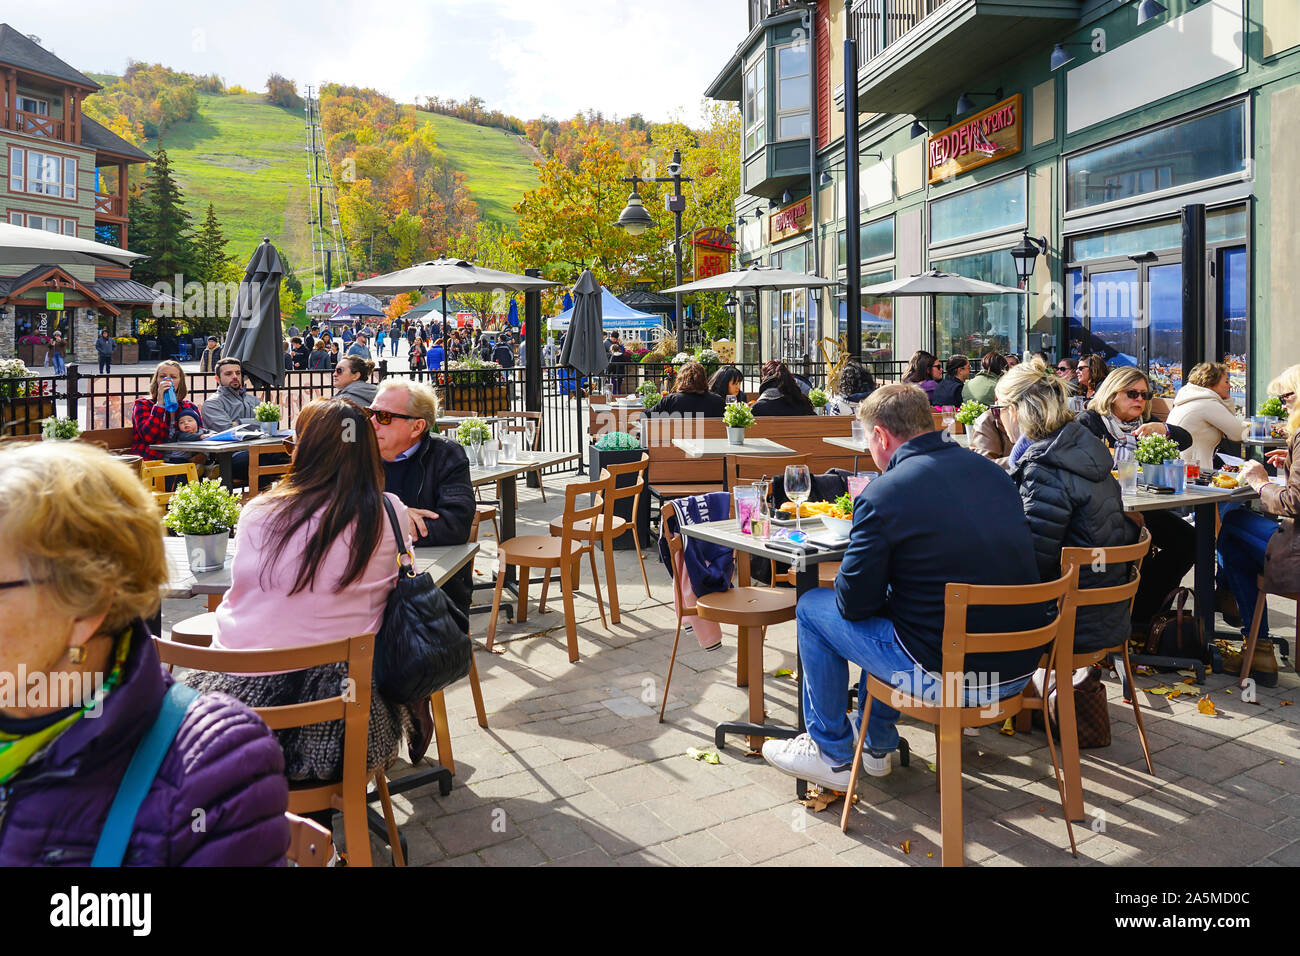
(429, 473)
(936, 514)
(104, 346)
(948, 391)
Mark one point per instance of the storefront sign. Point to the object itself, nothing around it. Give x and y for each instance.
(991, 135)
(790, 220)
(54, 301)
(712, 252)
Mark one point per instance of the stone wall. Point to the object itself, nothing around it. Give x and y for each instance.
(123, 323)
(8, 346)
(85, 329)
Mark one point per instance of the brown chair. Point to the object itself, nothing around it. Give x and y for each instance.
(1064, 661)
(536, 418)
(752, 610)
(1252, 639)
(258, 473)
(352, 706)
(310, 844)
(156, 473)
(486, 512)
(606, 532)
(550, 553)
(745, 469)
(952, 715)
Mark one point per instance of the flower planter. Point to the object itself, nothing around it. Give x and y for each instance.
(735, 436)
(33, 356)
(1165, 475)
(484, 399)
(124, 354)
(207, 552)
(268, 428)
(598, 459)
(25, 414)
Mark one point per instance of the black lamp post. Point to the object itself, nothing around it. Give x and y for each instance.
(635, 220)
(1025, 256)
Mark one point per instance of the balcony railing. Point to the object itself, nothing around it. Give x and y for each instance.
(109, 205)
(760, 10)
(875, 24)
(36, 125)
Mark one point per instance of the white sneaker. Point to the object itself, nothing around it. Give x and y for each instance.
(799, 757)
(874, 766)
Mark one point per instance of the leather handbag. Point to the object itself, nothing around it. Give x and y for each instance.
(1281, 574)
(423, 643)
(1174, 632)
(1091, 713)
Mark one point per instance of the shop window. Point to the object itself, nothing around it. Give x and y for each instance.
(877, 320)
(1205, 147)
(998, 206)
(875, 240)
(973, 325)
(1221, 225)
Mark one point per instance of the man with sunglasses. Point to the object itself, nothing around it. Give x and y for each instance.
(429, 473)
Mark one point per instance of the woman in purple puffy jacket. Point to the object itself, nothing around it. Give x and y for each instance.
(81, 563)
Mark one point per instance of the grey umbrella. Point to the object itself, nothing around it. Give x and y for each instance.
(256, 336)
(584, 345)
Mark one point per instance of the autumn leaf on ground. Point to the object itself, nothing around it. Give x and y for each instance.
(783, 672)
(708, 756)
(1206, 706)
(930, 855)
(1008, 727)
(1159, 691)
(1227, 690)
(819, 799)
(1188, 680)
(1285, 703)
(932, 767)
(906, 846)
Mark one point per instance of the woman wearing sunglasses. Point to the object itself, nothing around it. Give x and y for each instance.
(352, 379)
(1090, 373)
(1121, 411)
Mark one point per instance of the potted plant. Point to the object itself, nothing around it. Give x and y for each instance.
(819, 398)
(1153, 452)
(648, 392)
(205, 512)
(970, 411)
(737, 417)
(32, 349)
(618, 448)
(268, 416)
(24, 400)
(474, 383)
(126, 351)
(59, 429)
(1273, 408)
(472, 433)
(710, 359)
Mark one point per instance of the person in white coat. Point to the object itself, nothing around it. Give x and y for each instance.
(1201, 406)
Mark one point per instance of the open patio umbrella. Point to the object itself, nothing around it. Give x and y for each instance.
(754, 278)
(255, 336)
(20, 245)
(584, 345)
(935, 283)
(444, 274)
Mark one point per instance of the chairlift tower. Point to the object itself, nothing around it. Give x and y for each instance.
(329, 248)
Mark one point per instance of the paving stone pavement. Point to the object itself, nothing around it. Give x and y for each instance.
(575, 769)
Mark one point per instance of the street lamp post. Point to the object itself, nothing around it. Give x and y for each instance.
(635, 220)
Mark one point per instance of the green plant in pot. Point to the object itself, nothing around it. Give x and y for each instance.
(970, 411)
(59, 429)
(472, 433)
(268, 416)
(205, 512)
(1154, 454)
(618, 441)
(819, 398)
(648, 392)
(737, 417)
(1273, 408)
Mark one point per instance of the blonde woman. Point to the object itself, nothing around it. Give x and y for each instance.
(1201, 408)
(1121, 411)
(1068, 493)
(1244, 534)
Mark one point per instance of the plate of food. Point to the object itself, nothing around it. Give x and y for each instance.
(836, 515)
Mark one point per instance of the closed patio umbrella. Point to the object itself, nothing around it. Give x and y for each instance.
(584, 346)
(256, 336)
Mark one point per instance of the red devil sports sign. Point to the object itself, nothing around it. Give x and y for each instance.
(985, 137)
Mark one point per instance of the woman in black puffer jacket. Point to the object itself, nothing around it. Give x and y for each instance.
(1070, 498)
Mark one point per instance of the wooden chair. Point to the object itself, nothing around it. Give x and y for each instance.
(607, 530)
(1064, 661)
(352, 706)
(259, 473)
(5, 439)
(110, 439)
(1252, 639)
(310, 844)
(746, 469)
(536, 418)
(156, 473)
(752, 610)
(550, 553)
(487, 512)
(952, 714)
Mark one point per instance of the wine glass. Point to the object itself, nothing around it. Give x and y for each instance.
(530, 433)
(798, 486)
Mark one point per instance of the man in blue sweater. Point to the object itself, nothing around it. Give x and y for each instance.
(937, 514)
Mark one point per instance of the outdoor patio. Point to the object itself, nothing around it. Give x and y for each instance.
(576, 770)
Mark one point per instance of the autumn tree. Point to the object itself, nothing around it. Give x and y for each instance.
(281, 91)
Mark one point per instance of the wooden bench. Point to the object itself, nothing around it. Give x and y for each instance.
(111, 439)
(672, 474)
(803, 435)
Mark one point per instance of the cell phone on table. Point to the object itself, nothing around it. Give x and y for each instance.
(793, 547)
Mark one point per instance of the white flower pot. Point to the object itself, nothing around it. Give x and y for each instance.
(735, 436)
(207, 552)
(268, 428)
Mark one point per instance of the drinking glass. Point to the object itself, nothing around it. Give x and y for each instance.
(859, 431)
(798, 486)
(490, 454)
(859, 481)
(949, 417)
(530, 433)
(746, 507)
(762, 525)
(509, 452)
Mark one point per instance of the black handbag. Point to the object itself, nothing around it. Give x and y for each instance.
(423, 643)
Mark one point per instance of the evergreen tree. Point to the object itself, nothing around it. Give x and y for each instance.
(160, 229)
(210, 256)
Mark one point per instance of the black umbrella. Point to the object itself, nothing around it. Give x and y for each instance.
(256, 336)
(584, 346)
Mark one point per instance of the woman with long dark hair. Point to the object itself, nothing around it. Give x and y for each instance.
(690, 395)
(924, 370)
(780, 394)
(728, 382)
(315, 561)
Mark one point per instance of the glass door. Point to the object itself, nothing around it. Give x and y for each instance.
(1111, 303)
(1164, 311)
(1231, 319)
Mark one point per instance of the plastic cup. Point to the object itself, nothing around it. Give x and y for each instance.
(859, 432)
(746, 508)
(1128, 475)
(491, 454)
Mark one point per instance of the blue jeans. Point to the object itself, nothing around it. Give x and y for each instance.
(827, 642)
(1243, 536)
(60, 366)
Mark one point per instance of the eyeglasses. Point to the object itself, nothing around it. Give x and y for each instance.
(1287, 396)
(5, 585)
(1134, 393)
(1063, 368)
(937, 365)
(386, 418)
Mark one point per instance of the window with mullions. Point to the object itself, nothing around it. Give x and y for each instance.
(973, 325)
(792, 91)
(877, 320)
(875, 240)
(998, 206)
(755, 105)
(1205, 147)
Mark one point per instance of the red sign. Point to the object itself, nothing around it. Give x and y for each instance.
(713, 249)
(985, 137)
(790, 220)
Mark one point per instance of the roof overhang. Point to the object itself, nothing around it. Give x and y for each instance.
(727, 84)
(52, 278)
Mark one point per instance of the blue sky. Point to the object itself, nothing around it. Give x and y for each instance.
(526, 57)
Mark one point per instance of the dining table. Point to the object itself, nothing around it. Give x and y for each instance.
(717, 447)
(223, 451)
(728, 534)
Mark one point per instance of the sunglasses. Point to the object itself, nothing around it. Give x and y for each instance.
(386, 418)
(1063, 368)
(1287, 396)
(6, 585)
(1134, 393)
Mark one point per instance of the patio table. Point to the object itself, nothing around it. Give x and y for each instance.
(727, 533)
(716, 447)
(223, 451)
(1204, 502)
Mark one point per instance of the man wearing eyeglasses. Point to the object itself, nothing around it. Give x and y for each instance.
(429, 473)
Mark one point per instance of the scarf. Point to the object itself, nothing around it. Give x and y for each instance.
(1120, 431)
(17, 749)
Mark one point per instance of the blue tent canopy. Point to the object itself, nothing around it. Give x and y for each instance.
(615, 315)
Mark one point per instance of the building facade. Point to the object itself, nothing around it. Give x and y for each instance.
(62, 172)
(1068, 120)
